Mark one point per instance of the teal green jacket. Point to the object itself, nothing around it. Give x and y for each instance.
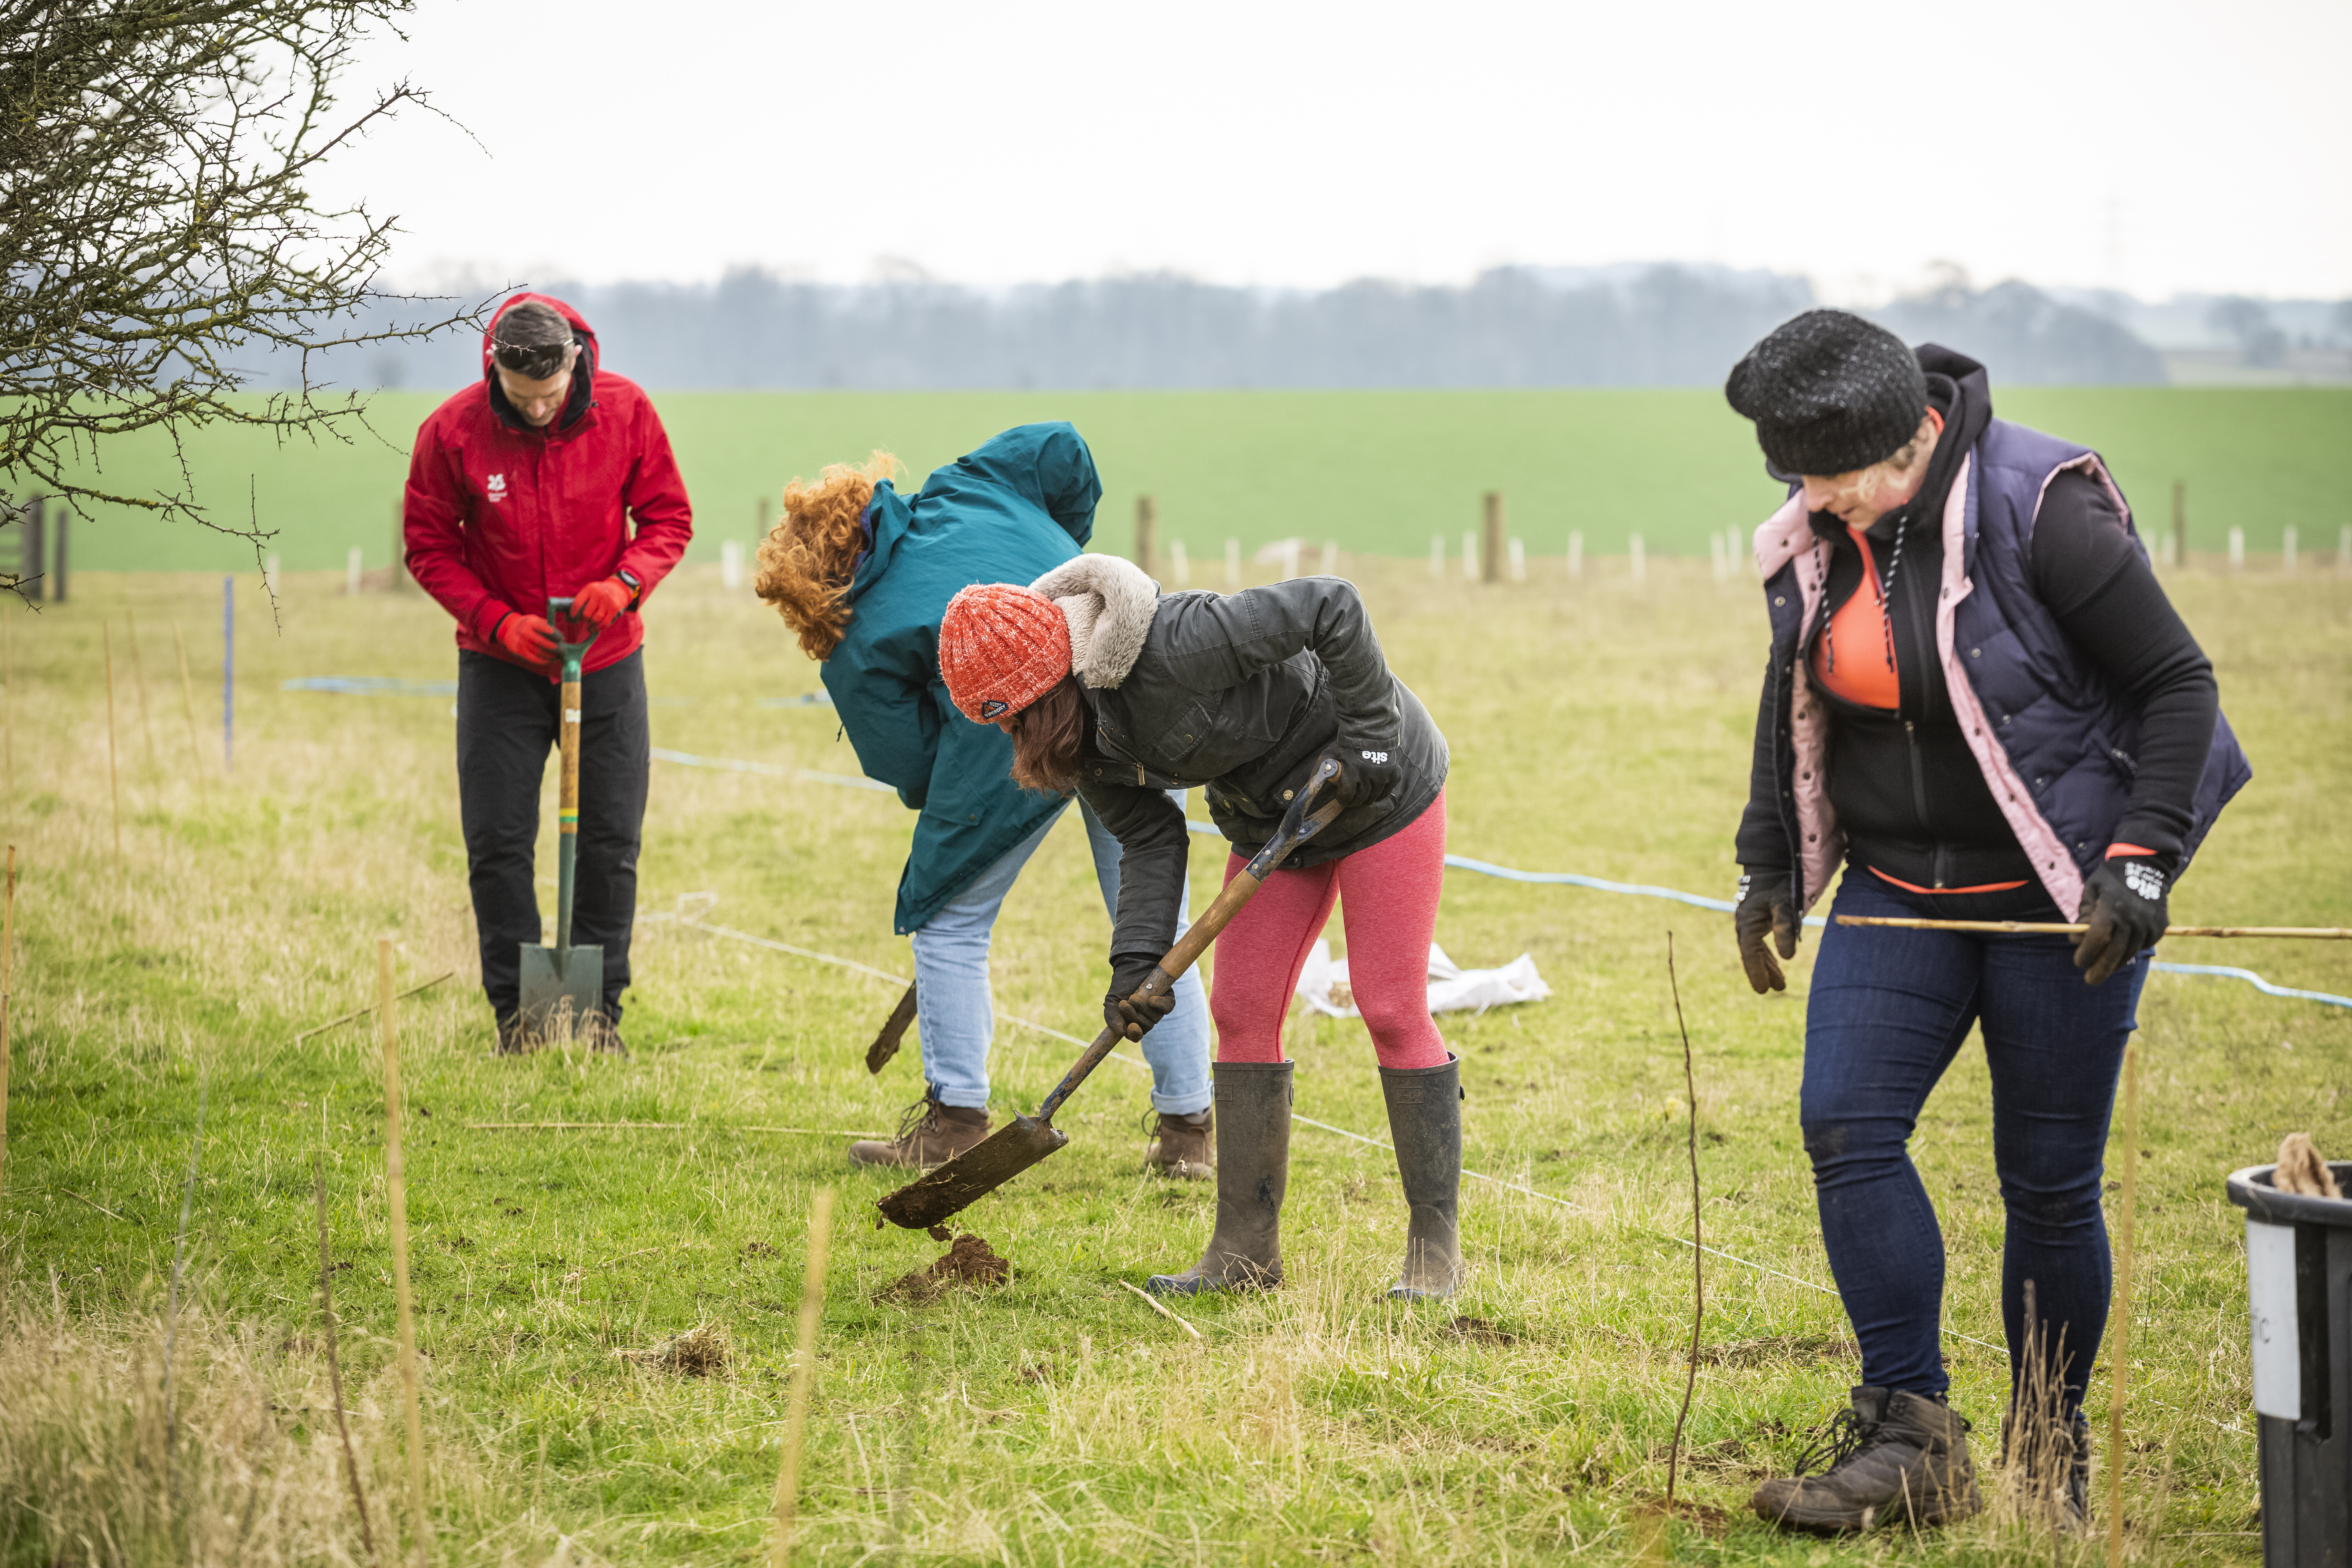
(1009, 512)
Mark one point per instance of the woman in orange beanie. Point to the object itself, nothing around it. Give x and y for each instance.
(1120, 693)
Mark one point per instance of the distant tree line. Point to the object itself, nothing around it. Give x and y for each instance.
(1662, 325)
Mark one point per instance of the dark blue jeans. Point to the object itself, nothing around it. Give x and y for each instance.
(1889, 1011)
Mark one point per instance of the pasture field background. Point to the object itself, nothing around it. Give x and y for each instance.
(1380, 472)
(1600, 726)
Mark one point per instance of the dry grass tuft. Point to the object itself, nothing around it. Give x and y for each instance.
(241, 1465)
(702, 1351)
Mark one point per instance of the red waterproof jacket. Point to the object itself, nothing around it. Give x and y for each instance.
(501, 517)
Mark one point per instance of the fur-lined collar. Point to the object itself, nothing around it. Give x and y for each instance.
(1108, 603)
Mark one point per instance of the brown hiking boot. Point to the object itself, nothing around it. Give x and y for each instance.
(1894, 1458)
(930, 1135)
(1183, 1146)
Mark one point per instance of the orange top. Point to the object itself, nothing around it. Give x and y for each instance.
(1855, 657)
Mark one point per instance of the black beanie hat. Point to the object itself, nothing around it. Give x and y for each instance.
(1829, 393)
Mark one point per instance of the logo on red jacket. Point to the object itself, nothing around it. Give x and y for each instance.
(497, 486)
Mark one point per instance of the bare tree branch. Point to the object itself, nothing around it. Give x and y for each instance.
(157, 223)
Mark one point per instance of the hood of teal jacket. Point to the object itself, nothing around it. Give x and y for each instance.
(1009, 511)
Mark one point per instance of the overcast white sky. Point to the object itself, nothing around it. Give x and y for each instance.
(2156, 146)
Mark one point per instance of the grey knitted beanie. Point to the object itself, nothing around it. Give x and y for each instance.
(1829, 393)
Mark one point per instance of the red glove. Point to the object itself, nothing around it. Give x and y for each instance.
(598, 603)
(530, 639)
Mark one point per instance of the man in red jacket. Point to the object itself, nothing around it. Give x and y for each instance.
(524, 488)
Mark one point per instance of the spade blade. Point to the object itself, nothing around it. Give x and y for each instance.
(553, 976)
(972, 1174)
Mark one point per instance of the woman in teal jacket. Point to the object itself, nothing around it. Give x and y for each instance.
(863, 574)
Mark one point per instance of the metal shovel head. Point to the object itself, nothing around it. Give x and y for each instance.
(553, 977)
(972, 1174)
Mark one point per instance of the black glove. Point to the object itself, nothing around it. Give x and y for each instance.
(1767, 908)
(1130, 1019)
(2122, 903)
(1367, 774)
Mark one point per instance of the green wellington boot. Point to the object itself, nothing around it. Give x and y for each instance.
(1253, 1127)
(1425, 1124)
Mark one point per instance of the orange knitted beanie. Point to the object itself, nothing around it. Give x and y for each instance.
(1001, 647)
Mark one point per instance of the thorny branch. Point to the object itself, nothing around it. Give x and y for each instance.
(159, 232)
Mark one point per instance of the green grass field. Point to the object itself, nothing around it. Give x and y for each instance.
(1600, 727)
(1379, 471)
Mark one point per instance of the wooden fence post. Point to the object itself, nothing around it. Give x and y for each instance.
(1490, 558)
(1147, 524)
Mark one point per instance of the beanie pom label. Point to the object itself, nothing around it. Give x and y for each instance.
(994, 707)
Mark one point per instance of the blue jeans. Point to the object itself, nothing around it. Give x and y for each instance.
(1889, 1009)
(957, 1014)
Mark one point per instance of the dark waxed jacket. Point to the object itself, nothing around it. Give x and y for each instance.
(1244, 693)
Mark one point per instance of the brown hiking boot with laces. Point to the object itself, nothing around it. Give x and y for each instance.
(1895, 1457)
(930, 1135)
(1183, 1146)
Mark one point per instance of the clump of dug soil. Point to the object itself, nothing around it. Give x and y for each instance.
(700, 1352)
(969, 1261)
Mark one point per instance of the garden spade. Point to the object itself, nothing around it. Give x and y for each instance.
(563, 984)
(1025, 1139)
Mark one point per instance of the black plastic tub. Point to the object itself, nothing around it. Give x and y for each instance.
(2299, 1298)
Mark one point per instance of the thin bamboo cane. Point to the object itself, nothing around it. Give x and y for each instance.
(7, 942)
(188, 697)
(139, 683)
(334, 1360)
(2119, 1358)
(1698, 1237)
(358, 1014)
(113, 789)
(9, 689)
(2051, 928)
(395, 1183)
(788, 1473)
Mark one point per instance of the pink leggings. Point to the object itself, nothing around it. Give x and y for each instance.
(1391, 891)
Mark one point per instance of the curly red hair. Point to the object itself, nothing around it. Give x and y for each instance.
(805, 560)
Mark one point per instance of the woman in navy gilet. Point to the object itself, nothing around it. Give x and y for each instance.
(1979, 706)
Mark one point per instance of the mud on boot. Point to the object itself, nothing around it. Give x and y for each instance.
(1894, 1458)
(1252, 1119)
(1183, 1146)
(929, 1134)
(1425, 1125)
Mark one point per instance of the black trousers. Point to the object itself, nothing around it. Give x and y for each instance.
(506, 729)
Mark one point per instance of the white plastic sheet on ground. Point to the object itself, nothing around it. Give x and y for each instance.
(1323, 983)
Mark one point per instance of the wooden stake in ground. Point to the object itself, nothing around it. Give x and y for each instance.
(8, 692)
(1698, 1240)
(7, 940)
(106, 636)
(2119, 1357)
(334, 1362)
(395, 1191)
(188, 696)
(788, 1473)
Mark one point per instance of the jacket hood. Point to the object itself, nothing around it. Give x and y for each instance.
(1109, 602)
(581, 332)
(583, 374)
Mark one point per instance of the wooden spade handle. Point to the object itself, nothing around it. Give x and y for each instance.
(1298, 824)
